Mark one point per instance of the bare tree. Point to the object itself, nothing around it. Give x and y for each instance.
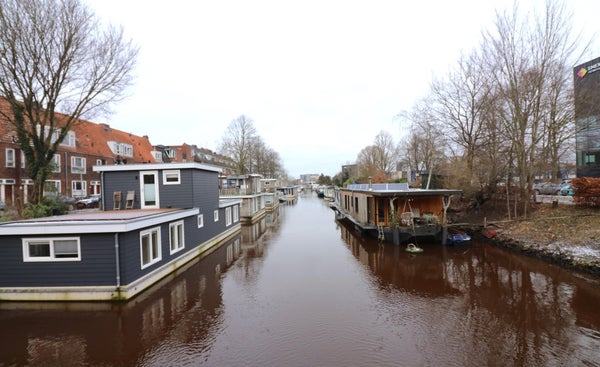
(381, 157)
(237, 143)
(523, 56)
(424, 147)
(55, 56)
(460, 103)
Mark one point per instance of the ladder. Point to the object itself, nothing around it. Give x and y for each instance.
(380, 234)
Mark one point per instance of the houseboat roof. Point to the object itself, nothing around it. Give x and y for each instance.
(398, 189)
(95, 222)
(155, 166)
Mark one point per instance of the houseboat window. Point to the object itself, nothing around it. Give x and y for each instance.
(228, 216)
(77, 165)
(51, 249)
(216, 215)
(171, 177)
(176, 236)
(200, 220)
(236, 214)
(149, 189)
(150, 247)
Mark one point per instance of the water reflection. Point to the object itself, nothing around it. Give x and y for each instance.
(183, 310)
(493, 302)
(297, 288)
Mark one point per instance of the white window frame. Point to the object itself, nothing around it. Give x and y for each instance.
(172, 177)
(10, 157)
(216, 215)
(69, 140)
(236, 214)
(171, 153)
(23, 159)
(154, 250)
(51, 242)
(227, 216)
(79, 192)
(78, 168)
(176, 236)
(54, 183)
(157, 155)
(56, 161)
(200, 219)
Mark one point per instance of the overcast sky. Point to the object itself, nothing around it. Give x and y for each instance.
(320, 79)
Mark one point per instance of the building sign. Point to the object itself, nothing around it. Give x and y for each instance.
(583, 71)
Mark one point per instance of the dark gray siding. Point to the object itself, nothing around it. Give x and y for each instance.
(206, 190)
(198, 188)
(120, 182)
(177, 196)
(97, 265)
(129, 243)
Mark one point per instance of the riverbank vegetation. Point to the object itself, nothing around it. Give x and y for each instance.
(499, 119)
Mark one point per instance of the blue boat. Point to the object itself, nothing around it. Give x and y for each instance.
(457, 238)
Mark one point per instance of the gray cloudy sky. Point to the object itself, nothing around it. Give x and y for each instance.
(320, 79)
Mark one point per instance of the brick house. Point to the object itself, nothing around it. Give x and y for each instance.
(86, 145)
(191, 153)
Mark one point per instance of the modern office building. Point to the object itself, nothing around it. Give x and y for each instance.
(587, 117)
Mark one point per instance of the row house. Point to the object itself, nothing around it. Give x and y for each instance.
(88, 144)
(191, 153)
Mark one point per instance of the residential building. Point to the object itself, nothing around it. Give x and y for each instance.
(87, 144)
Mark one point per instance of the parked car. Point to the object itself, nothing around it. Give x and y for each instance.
(567, 190)
(547, 188)
(68, 201)
(92, 201)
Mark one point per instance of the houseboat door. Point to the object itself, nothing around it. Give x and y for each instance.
(149, 189)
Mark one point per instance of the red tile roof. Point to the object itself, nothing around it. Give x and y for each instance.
(91, 138)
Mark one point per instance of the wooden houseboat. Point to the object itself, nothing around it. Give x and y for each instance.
(248, 189)
(394, 212)
(156, 218)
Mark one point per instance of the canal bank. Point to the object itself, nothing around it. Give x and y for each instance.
(301, 289)
(566, 235)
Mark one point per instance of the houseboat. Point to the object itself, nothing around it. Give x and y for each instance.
(155, 219)
(271, 195)
(289, 193)
(394, 212)
(248, 189)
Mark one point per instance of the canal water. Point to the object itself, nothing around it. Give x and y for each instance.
(300, 289)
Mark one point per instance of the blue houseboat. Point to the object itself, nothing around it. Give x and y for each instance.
(155, 219)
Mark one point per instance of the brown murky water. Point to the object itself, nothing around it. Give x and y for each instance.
(299, 289)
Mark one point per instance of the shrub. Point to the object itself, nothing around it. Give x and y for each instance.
(587, 191)
(48, 206)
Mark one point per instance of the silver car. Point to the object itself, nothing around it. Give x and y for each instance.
(546, 188)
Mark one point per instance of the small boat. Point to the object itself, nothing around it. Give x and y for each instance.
(457, 238)
(412, 248)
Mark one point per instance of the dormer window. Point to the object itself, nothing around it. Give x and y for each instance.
(69, 140)
(157, 155)
(171, 153)
(122, 149)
